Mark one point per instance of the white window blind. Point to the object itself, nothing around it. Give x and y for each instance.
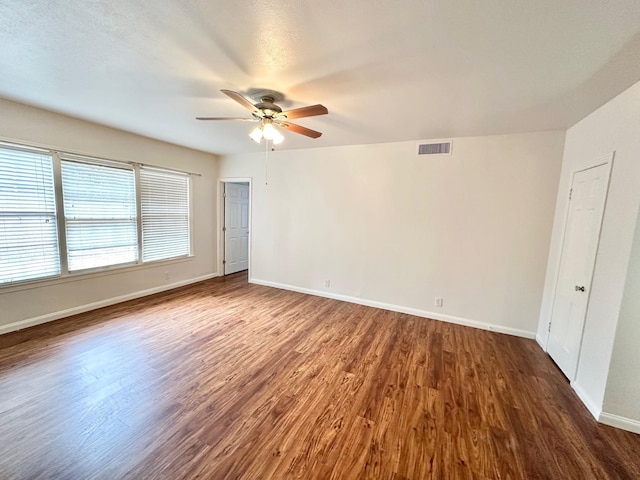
(28, 230)
(164, 198)
(100, 214)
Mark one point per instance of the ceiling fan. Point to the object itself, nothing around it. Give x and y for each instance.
(271, 115)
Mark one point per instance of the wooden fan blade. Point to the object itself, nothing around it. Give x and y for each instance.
(240, 99)
(228, 118)
(301, 130)
(309, 111)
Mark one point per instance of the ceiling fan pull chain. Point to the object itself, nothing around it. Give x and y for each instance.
(266, 162)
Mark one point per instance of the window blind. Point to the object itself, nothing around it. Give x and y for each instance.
(164, 199)
(28, 229)
(100, 214)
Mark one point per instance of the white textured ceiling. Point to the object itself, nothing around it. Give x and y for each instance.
(387, 70)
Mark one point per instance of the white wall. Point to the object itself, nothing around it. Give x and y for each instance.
(389, 228)
(622, 395)
(613, 127)
(25, 305)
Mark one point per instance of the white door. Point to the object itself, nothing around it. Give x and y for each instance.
(582, 232)
(236, 227)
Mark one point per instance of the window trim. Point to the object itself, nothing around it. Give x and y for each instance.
(44, 152)
(87, 275)
(65, 275)
(189, 192)
(75, 162)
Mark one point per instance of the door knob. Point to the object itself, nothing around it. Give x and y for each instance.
(579, 289)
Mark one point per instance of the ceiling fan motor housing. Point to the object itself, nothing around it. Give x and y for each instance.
(268, 107)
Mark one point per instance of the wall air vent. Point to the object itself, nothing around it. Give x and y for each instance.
(443, 148)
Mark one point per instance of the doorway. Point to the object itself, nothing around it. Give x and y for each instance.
(587, 200)
(236, 218)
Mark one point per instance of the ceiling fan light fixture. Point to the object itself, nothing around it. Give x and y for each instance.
(256, 134)
(278, 138)
(269, 131)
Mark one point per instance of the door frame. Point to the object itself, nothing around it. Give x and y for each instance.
(220, 223)
(603, 160)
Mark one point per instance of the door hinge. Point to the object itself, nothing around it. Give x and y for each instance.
(570, 193)
(224, 261)
(549, 327)
(224, 195)
(224, 229)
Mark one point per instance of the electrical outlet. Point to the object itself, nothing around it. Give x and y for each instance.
(438, 301)
(327, 283)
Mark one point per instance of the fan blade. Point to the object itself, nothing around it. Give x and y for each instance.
(301, 130)
(240, 99)
(309, 111)
(228, 118)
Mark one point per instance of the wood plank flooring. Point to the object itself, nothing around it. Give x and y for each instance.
(226, 380)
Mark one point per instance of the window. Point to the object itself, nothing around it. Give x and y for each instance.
(62, 213)
(164, 199)
(100, 214)
(28, 229)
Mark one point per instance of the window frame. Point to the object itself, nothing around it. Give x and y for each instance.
(44, 152)
(65, 275)
(141, 214)
(68, 222)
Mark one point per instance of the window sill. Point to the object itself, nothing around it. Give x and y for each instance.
(79, 276)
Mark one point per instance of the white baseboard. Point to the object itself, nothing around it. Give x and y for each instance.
(620, 422)
(398, 308)
(592, 406)
(49, 317)
(541, 342)
(610, 419)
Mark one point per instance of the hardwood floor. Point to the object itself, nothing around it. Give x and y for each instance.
(226, 380)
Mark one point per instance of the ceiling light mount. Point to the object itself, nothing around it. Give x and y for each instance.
(259, 95)
(269, 108)
(265, 101)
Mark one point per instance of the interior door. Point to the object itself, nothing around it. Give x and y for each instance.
(236, 227)
(582, 232)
